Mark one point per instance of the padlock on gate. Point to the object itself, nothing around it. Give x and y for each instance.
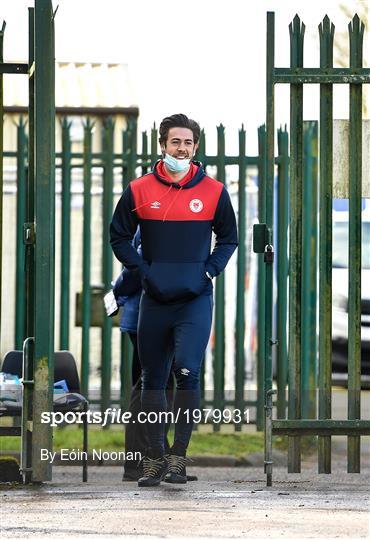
(268, 254)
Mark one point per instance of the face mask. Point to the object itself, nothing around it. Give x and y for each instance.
(176, 165)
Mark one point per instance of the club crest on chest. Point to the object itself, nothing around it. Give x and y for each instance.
(196, 205)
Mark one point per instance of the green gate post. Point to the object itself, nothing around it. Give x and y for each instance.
(106, 371)
(20, 300)
(309, 292)
(86, 259)
(326, 32)
(28, 350)
(44, 242)
(356, 34)
(269, 259)
(219, 352)
(282, 271)
(65, 259)
(240, 288)
(261, 282)
(295, 251)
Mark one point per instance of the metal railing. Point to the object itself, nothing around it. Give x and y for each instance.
(88, 185)
(303, 267)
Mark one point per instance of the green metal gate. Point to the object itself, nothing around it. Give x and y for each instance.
(37, 231)
(303, 267)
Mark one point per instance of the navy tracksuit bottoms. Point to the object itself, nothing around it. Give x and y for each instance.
(167, 331)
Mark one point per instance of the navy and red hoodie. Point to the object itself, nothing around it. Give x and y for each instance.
(176, 221)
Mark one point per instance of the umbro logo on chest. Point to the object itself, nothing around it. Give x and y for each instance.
(195, 205)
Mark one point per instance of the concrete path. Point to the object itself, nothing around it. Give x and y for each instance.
(225, 503)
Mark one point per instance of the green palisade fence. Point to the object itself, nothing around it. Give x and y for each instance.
(90, 182)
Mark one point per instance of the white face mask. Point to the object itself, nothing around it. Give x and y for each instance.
(176, 165)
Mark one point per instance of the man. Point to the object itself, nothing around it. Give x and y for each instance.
(126, 293)
(177, 206)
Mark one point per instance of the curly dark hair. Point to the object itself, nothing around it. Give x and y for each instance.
(178, 120)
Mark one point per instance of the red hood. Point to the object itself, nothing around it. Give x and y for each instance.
(161, 171)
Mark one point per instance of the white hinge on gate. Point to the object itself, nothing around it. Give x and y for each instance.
(29, 233)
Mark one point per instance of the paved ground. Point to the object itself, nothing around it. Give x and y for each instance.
(226, 502)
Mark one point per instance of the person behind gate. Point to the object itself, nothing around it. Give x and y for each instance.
(177, 207)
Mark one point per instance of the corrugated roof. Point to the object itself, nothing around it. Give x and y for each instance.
(79, 85)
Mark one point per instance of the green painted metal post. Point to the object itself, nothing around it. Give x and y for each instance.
(282, 271)
(132, 149)
(295, 251)
(306, 256)
(65, 236)
(45, 227)
(356, 33)
(313, 272)
(153, 145)
(269, 222)
(219, 352)
(326, 32)
(309, 234)
(261, 286)
(126, 352)
(106, 370)
(144, 152)
(268, 261)
(240, 286)
(86, 260)
(26, 441)
(125, 178)
(20, 300)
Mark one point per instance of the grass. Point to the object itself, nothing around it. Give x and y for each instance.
(9, 469)
(234, 444)
(308, 444)
(203, 441)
